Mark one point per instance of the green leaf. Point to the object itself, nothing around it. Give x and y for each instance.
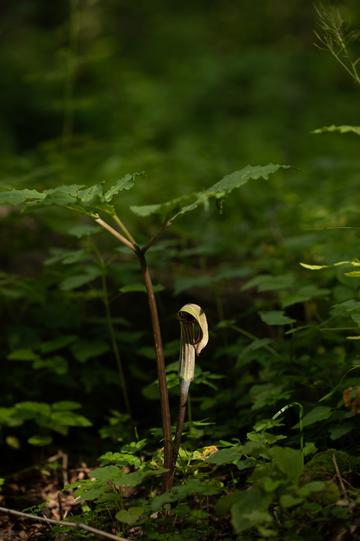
(312, 486)
(120, 459)
(340, 129)
(119, 478)
(267, 282)
(19, 197)
(338, 431)
(181, 205)
(32, 410)
(320, 413)
(125, 183)
(83, 350)
(288, 500)
(57, 364)
(314, 267)
(40, 441)
(62, 195)
(289, 461)
(181, 492)
(147, 210)
(68, 418)
(23, 355)
(66, 257)
(239, 178)
(66, 405)
(276, 317)
(130, 516)
(304, 294)
(226, 456)
(76, 196)
(57, 343)
(353, 263)
(250, 509)
(79, 280)
(83, 230)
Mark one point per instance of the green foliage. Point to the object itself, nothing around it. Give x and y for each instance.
(272, 431)
(177, 207)
(87, 200)
(57, 417)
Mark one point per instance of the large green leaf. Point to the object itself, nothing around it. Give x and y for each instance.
(319, 413)
(250, 509)
(276, 317)
(289, 461)
(19, 197)
(88, 200)
(181, 205)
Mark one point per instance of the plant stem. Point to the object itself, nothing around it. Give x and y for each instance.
(123, 228)
(184, 393)
(159, 352)
(115, 233)
(109, 321)
(301, 423)
(156, 237)
(114, 344)
(160, 361)
(189, 412)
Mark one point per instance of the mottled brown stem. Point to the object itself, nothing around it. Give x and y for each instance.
(160, 361)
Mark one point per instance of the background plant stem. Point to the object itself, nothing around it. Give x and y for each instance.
(111, 329)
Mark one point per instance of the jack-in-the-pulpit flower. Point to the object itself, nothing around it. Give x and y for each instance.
(194, 337)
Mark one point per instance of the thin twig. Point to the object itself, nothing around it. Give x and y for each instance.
(156, 237)
(339, 478)
(76, 525)
(115, 233)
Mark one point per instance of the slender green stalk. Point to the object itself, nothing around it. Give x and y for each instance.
(301, 424)
(111, 329)
(156, 237)
(114, 344)
(123, 228)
